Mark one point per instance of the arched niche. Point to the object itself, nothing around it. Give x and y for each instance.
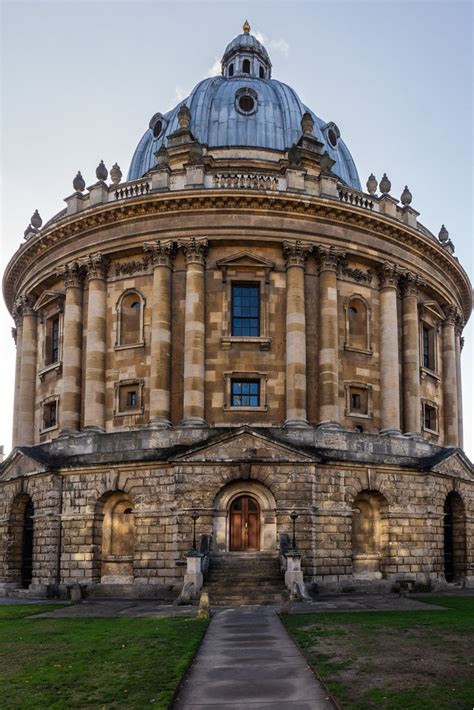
(130, 318)
(454, 537)
(369, 535)
(21, 541)
(114, 538)
(225, 503)
(357, 324)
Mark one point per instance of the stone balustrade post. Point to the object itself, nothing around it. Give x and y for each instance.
(70, 418)
(450, 386)
(162, 254)
(329, 259)
(389, 353)
(27, 389)
(194, 331)
(17, 333)
(94, 387)
(411, 355)
(296, 254)
(459, 346)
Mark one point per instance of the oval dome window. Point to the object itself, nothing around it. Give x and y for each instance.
(246, 101)
(157, 128)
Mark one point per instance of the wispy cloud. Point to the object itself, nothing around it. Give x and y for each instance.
(215, 69)
(276, 45)
(179, 95)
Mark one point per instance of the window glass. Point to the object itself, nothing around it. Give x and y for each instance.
(246, 309)
(52, 341)
(245, 393)
(246, 66)
(49, 415)
(430, 418)
(428, 348)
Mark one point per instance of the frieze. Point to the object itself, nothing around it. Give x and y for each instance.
(357, 274)
(376, 224)
(128, 268)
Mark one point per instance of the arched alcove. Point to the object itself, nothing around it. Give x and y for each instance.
(21, 538)
(369, 534)
(357, 323)
(130, 307)
(454, 537)
(114, 538)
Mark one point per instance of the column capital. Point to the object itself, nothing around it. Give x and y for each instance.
(96, 266)
(73, 275)
(296, 252)
(24, 306)
(162, 252)
(329, 258)
(389, 275)
(195, 249)
(452, 316)
(410, 283)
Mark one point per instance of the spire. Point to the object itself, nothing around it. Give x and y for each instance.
(246, 27)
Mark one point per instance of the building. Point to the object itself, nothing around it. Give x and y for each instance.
(239, 330)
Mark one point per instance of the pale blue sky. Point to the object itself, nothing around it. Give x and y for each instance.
(80, 81)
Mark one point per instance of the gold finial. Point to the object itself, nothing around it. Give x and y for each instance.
(246, 27)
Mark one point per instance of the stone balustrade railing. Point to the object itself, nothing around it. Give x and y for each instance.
(130, 189)
(357, 199)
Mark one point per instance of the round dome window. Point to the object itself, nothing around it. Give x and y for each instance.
(246, 101)
(157, 125)
(333, 134)
(157, 128)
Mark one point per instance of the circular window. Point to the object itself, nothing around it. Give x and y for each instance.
(157, 128)
(246, 101)
(333, 134)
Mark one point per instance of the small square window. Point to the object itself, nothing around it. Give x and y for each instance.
(245, 393)
(50, 415)
(358, 400)
(355, 401)
(429, 417)
(128, 397)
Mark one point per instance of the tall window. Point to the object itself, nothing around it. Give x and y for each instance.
(245, 393)
(246, 309)
(357, 325)
(428, 347)
(52, 340)
(429, 417)
(130, 319)
(246, 66)
(50, 414)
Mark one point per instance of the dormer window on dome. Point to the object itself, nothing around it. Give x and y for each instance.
(157, 125)
(246, 56)
(246, 101)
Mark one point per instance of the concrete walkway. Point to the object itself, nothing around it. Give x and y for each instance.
(247, 660)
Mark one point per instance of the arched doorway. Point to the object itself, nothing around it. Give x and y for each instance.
(21, 541)
(369, 535)
(244, 524)
(454, 537)
(27, 546)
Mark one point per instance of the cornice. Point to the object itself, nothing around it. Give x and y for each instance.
(297, 207)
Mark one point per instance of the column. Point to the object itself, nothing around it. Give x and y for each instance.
(329, 338)
(70, 414)
(459, 346)
(94, 387)
(194, 331)
(296, 254)
(162, 254)
(450, 388)
(27, 391)
(389, 359)
(17, 335)
(411, 355)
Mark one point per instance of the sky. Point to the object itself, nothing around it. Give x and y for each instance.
(80, 81)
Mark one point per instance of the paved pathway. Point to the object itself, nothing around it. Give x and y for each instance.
(247, 660)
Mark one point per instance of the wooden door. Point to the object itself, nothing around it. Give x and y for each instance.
(244, 524)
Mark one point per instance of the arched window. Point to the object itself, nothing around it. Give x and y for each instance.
(231, 70)
(130, 319)
(246, 66)
(261, 72)
(357, 314)
(369, 534)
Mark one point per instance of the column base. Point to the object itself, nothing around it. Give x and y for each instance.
(194, 422)
(159, 423)
(391, 432)
(64, 433)
(329, 424)
(413, 435)
(93, 429)
(296, 424)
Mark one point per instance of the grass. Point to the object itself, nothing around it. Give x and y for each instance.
(414, 660)
(92, 663)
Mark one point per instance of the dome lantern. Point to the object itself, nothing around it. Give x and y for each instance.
(246, 56)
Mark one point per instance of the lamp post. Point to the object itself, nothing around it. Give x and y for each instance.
(194, 517)
(293, 517)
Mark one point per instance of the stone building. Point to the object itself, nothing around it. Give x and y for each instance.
(239, 330)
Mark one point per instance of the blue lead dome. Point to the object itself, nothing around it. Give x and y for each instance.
(244, 107)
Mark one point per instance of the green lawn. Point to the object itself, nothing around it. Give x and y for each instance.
(417, 660)
(92, 663)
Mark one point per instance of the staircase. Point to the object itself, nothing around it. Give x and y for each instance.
(244, 578)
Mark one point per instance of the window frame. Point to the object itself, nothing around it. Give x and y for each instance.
(255, 287)
(47, 402)
(136, 383)
(251, 377)
(426, 403)
(348, 302)
(349, 387)
(118, 330)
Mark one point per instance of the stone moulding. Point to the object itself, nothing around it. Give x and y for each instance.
(156, 204)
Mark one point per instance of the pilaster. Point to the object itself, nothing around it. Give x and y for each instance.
(389, 357)
(70, 418)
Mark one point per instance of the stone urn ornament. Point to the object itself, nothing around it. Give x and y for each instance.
(184, 117)
(406, 197)
(78, 183)
(307, 123)
(115, 174)
(385, 185)
(36, 220)
(372, 184)
(443, 235)
(101, 172)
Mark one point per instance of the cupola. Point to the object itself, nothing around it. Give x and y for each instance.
(246, 56)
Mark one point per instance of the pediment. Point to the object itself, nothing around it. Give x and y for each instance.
(456, 465)
(245, 260)
(245, 445)
(18, 463)
(48, 297)
(432, 308)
